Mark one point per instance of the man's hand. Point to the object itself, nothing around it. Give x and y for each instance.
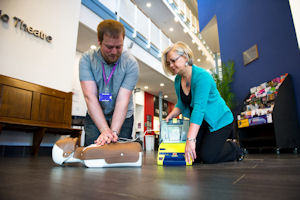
(115, 137)
(107, 136)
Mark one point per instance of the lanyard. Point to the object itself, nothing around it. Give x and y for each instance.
(106, 81)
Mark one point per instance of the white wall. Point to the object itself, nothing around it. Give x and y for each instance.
(89, 18)
(295, 8)
(32, 59)
(111, 4)
(78, 103)
(139, 98)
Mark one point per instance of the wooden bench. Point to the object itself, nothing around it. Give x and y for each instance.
(34, 108)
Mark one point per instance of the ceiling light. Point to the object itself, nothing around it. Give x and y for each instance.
(185, 30)
(166, 96)
(162, 84)
(148, 4)
(171, 29)
(198, 60)
(199, 48)
(146, 87)
(93, 47)
(176, 19)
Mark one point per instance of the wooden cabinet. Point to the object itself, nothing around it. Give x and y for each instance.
(28, 106)
(29, 103)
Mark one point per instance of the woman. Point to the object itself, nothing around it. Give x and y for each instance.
(199, 100)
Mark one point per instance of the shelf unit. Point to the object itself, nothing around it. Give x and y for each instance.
(282, 131)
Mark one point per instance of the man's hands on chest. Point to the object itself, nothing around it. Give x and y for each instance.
(106, 136)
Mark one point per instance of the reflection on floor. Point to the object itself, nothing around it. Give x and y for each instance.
(259, 176)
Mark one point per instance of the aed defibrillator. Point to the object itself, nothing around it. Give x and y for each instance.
(172, 139)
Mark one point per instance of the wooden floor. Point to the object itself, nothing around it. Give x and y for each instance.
(259, 176)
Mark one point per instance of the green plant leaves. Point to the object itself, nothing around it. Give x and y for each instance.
(224, 81)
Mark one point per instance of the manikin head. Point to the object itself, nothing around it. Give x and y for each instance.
(64, 149)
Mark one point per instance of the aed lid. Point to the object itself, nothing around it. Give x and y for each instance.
(174, 131)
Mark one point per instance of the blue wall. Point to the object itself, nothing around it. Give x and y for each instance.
(267, 23)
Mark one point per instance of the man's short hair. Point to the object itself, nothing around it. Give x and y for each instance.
(110, 27)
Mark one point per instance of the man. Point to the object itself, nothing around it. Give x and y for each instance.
(107, 76)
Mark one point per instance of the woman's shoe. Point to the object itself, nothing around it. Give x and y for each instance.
(241, 151)
(235, 141)
(242, 154)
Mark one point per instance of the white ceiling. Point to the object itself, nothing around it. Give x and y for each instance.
(211, 35)
(164, 19)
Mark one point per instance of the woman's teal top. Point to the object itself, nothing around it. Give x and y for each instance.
(206, 102)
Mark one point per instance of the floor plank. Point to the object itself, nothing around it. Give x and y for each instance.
(259, 176)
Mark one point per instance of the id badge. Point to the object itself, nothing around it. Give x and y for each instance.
(105, 96)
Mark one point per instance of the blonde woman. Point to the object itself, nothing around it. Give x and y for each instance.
(211, 121)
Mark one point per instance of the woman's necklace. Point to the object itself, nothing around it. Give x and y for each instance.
(187, 84)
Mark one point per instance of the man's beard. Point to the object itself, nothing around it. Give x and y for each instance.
(112, 58)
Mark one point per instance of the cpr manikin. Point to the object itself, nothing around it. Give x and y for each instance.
(119, 154)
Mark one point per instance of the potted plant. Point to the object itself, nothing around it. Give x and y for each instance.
(224, 81)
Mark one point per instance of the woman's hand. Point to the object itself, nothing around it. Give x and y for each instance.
(174, 113)
(190, 151)
(168, 118)
(107, 136)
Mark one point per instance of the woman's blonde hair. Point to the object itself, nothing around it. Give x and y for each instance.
(180, 48)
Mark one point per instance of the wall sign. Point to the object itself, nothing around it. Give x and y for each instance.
(250, 55)
(19, 23)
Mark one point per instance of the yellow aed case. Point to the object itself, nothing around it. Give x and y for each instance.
(172, 154)
(172, 140)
